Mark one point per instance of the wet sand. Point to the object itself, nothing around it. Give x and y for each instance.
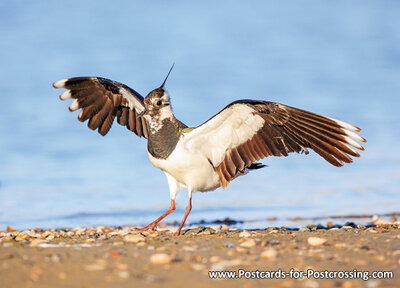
(123, 257)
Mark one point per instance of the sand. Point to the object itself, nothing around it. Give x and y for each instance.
(123, 257)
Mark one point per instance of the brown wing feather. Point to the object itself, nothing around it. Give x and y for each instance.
(101, 101)
(288, 130)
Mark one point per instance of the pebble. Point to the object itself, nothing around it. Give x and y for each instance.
(134, 238)
(228, 244)
(316, 241)
(123, 274)
(160, 258)
(190, 248)
(62, 275)
(248, 243)
(198, 266)
(273, 242)
(310, 284)
(223, 265)
(242, 250)
(215, 259)
(269, 253)
(347, 284)
(304, 229)
(224, 228)
(340, 245)
(244, 234)
(347, 227)
(217, 228)
(121, 266)
(37, 242)
(99, 265)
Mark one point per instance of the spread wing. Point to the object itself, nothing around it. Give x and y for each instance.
(101, 100)
(248, 130)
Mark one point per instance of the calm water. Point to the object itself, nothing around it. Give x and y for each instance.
(339, 59)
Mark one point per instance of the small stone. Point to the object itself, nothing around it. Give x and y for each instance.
(244, 234)
(123, 274)
(99, 265)
(372, 284)
(217, 228)
(269, 253)
(316, 241)
(273, 242)
(242, 250)
(121, 266)
(62, 275)
(248, 243)
(224, 228)
(136, 238)
(340, 245)
(198, 266)
(173, 230)
(215, 259)
(112, 254)
(228, 244)
(347, 284)
(21, 236)
(10, 229)
(304, 229)
(160, 258)
(223, 265)
(347, 227)
(50, 237)
(361, 263)
(36, 242)
(310, 284)
(190, 248)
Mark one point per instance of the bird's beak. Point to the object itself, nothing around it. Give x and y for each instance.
(141, 114)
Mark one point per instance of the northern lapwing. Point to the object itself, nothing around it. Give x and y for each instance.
(214, 153)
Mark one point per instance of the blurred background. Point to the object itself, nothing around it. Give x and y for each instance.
(336, 58)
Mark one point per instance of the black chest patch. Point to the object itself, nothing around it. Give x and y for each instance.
(162, 142)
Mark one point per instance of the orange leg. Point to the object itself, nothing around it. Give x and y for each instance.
(188, 208)
(154, 224)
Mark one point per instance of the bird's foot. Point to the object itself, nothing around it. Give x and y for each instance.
(151, 226)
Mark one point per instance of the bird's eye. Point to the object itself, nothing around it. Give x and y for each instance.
(159, 102)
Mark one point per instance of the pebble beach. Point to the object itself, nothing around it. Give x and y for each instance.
(124, 257)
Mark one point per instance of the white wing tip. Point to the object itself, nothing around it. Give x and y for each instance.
(74, 105)
(345, 125)
(60, 83)
(66, 95)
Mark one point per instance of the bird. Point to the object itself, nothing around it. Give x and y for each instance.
(211, 155)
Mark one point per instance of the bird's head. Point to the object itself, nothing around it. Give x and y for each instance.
(157, 102)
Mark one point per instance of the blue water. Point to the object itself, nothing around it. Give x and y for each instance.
(337, 58)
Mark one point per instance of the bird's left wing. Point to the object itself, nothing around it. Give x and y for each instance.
(247, 130)
(101, 100)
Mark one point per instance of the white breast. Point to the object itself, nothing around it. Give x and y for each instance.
(190, 170)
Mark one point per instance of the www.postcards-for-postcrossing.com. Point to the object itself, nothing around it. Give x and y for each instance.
(294, 274)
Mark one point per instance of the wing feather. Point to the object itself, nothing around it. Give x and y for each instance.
(101, 100)
(247, 130)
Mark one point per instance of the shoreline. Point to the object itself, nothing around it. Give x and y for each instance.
(124, 257)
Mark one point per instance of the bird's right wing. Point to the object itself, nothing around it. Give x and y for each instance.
(248, 130)
(101, 100)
